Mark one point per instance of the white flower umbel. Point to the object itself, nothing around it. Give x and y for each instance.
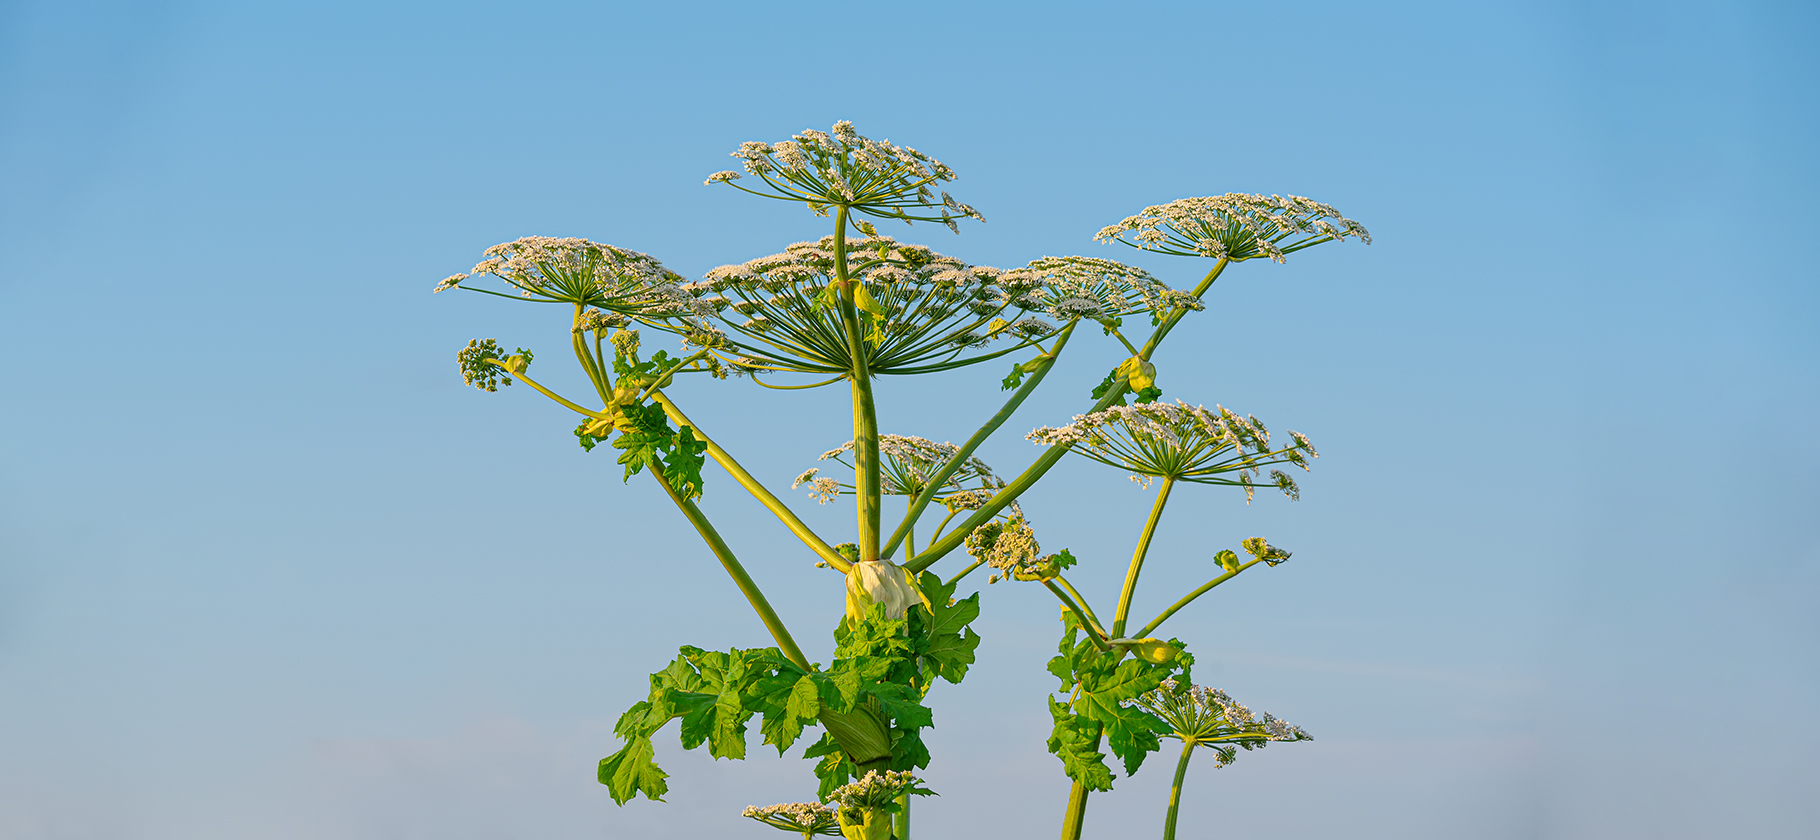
(810, 819)
(568, 270)
(846, 169)
(1181, 442)
(909, 462)
(1090, 287)
(1237, 226)
(881, 582)
(922, 311)
(1208, 717)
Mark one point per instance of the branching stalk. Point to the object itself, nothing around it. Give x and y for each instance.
(546, 392)
(764, 496)
(967, 449)
(1189, 598)
(1094, 633)
(747, 587)
(1076, 814)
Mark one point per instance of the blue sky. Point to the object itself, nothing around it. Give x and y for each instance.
(267, 569)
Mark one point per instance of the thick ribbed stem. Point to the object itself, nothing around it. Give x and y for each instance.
(900, 822)
(865, 410)
(1077, 805)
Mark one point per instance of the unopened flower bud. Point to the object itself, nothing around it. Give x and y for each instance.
(881, 582)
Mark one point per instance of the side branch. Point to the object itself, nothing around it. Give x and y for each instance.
(758, 490)
(545, 391)
(1008, 494)
(1049, 459)
(1189, 598)
(973, 443)
(747, 587)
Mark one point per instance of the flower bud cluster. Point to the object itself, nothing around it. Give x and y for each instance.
(876, 789)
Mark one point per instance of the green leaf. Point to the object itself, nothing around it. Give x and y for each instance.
(834, 769)
(1228, 560)
(1105, 385)
(805, 699)
(951, 654)
(1015, 379)
(787, 711)
(949, 645)
(1075, 740)
(631, 771)
(1131, 733)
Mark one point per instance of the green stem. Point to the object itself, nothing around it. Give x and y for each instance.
(938, 529)
(1175, 791)
(1007, 494)
(752, 485)
(1175, 317)
(1137, 559)
(973, 443)
(545, 391)
(579, 340)
(1189, 598)
(779, 633)
(900, 822)
(1092, 627)
(1082, 600)
(1077, 804)
(865, 409)
(976, 564)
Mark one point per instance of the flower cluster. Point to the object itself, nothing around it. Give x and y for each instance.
(1010, 547)
(1209, 717)
(806, 818)
(1181, 442)
(846, 169)
(1100, 290)
(600, 321)
(1235, 226)
(877, 790)
(822, 490)
(569, 270)
(922, 311)
(909, 463)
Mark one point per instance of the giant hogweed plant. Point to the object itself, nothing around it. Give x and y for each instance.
(849, 310)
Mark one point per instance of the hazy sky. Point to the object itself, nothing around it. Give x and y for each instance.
(268, 570)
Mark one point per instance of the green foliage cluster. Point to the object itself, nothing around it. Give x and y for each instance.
(882, 670)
